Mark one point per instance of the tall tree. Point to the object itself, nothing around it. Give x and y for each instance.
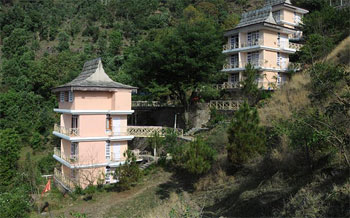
(181, 58)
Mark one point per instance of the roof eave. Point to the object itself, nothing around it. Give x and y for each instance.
(91, 88)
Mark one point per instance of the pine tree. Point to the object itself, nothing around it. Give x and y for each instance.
(246, 137)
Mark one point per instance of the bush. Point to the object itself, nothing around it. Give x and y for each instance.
(246, 137)
(195, 157)
(14, 204)
(129, 173)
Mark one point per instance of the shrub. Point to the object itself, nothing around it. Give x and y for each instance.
(195, 157)
(246, 137)
(14, 203)
(129, 173)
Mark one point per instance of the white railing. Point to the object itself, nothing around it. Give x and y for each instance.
(230, 46)
(66, 181)
(136, 104)
(120, 131)
(66, 131)
(243, 64)
(259, 41)
(71, 158)
(224, 105)
(149, 131)
(295, 46)
(297, 35)
(228, 85)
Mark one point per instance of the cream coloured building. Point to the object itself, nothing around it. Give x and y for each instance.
(263, 38)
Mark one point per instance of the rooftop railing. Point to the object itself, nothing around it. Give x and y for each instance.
(228, 85)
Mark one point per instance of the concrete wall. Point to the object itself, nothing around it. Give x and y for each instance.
(88, 100)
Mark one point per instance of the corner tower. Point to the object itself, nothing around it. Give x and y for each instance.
(93, 127)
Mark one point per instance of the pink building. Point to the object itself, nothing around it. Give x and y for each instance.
(93, 127)
(264, 38)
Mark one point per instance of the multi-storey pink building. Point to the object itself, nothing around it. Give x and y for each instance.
(93, 128)
(263, 39)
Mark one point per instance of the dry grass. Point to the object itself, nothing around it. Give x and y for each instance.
(341, 54)
(292, 97)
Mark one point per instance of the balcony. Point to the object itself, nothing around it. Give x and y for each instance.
(242, 64)
(66, 182)
(72, 159)
(243, 45)
(66, 131)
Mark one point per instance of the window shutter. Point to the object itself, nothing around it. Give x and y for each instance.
(62, 96)
(108, 150)
(70, 96)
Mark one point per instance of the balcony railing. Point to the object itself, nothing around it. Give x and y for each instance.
(243, 64)
(224, 105)
(228, 85)
(243, 44)
(66, 181)
(297, 35)
(252, 43)
(66, 131)
(295, 46)
(70, 159)
(149, 131)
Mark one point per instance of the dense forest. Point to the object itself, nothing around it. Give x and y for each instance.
(170, 49)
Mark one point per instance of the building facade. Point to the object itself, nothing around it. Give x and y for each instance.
(264, 38)
(93, 127)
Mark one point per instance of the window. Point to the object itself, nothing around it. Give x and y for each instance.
(74, 150)
(70, 96)
(109, 122)
(253, 38)
(235, 78)
(108, 174)
(234, 41)
(253, 58)
(108, 150)
(278, 59)
(277, 16)
(75, 121)
(234, 61)
(279, 39)
(62, 96)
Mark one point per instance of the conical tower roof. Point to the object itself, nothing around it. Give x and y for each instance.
(93, 78)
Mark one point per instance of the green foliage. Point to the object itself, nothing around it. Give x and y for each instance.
(307, 135)
(195, 157)
(325, 78)
(115, 42)
(323, 29)
(317, 46)
(181, 57)
(36, 141)
(63, 42)
(215, 117)
(246, 137)
(249, 85)
(15, 44)
(156, 142)
(14, 204)
(129, 173)
(9, 149)
(47, 164)
(231, 21)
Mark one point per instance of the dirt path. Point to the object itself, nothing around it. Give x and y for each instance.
(104, 201)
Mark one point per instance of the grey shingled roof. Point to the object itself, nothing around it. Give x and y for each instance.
(276, 2)
(257, 16)
(93, 76)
